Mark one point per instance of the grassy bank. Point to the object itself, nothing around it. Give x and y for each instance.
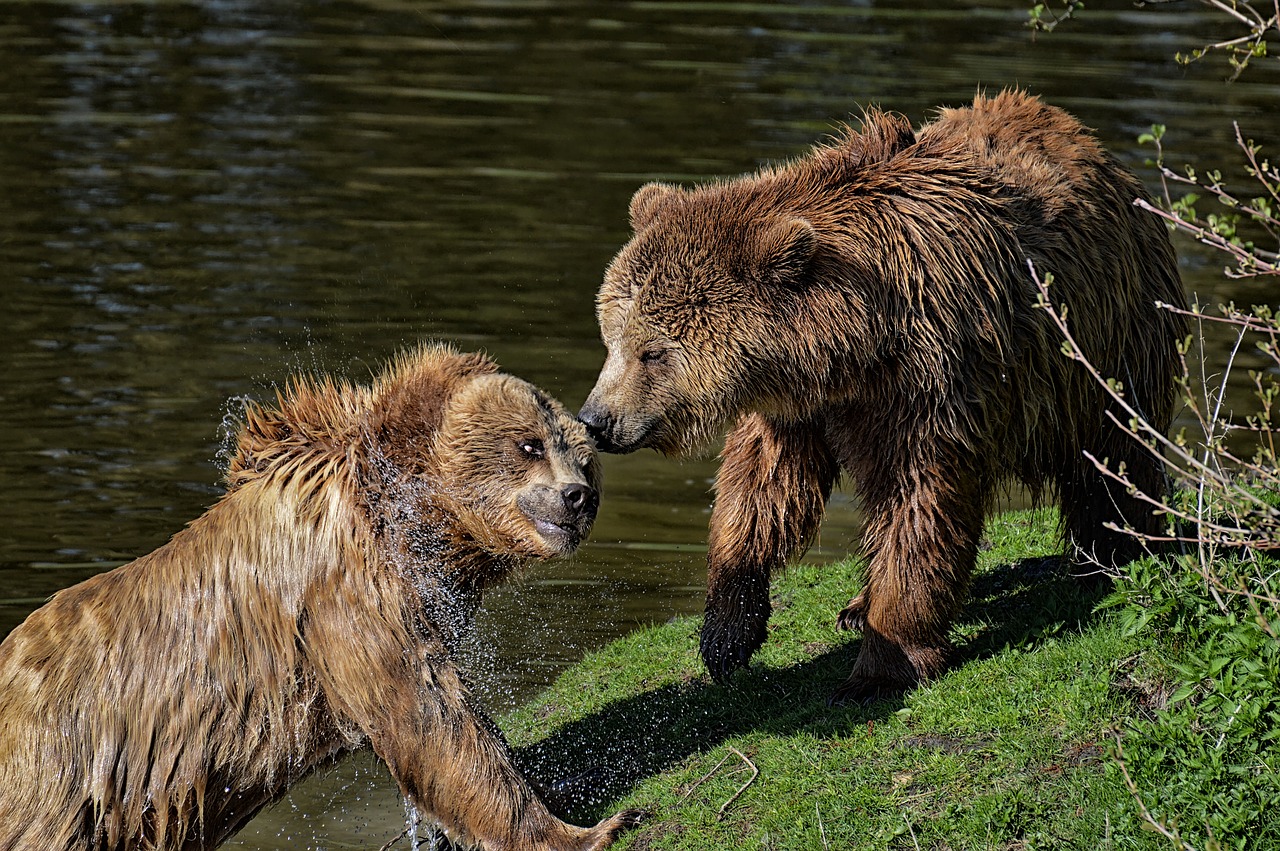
(1011, 749)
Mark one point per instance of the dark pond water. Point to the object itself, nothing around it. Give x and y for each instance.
(197, 199)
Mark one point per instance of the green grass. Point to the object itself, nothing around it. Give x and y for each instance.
(1009, 750)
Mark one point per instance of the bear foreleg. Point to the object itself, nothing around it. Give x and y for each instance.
(449, 761)
(771, 491)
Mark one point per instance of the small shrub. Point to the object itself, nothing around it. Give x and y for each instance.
(1206, 767)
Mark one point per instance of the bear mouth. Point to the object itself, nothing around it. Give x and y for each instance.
(548, 529)
(564, 538)
(561, 517)
(623, 442)
(617, 435)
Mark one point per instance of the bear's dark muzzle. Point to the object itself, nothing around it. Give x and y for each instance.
(600, 425)
(609, 434)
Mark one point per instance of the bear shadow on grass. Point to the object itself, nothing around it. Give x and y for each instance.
(1022, 603)
(586, 764)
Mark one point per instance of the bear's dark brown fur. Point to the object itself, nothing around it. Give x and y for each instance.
(309, 612)
(869, 309)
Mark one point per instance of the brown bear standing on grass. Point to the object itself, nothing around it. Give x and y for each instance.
(308, 613)
(869, 309)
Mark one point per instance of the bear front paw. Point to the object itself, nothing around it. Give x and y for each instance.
(721, 656)
(611, 828)
(731, 634)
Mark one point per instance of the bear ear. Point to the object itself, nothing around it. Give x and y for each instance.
(410, 397)
(647, 201)
(309, 413)
(784, 249)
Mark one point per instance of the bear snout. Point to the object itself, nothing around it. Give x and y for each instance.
(580, 499)
(599, 423)
(562, 514)
(611, 434)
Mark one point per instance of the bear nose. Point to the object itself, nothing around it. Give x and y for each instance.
(598, 423)
(596, 419)
(578, 498)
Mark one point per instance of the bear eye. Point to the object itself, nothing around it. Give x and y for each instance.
(532, 448)
(652, 356)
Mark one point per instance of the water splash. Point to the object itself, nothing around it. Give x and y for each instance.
(412, 822)
(232, 417)
(424, 835)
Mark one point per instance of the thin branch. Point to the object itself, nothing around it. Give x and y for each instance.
(401, 835)
(704, 778)
(1254, 525)
(1214, 186)
(1244, 320)
(911, 831)
(1245, 258)
(1231, 42)
(1074, 351)
(1235, 13)
(1156, 825)
(1251, 154)
(755, 772)
(1233, 535)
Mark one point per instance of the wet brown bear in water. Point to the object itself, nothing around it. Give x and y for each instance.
(868, 309)
(309, 612)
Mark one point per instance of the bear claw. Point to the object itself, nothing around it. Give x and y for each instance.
(854, 615)
(627, 820)
(721, 657)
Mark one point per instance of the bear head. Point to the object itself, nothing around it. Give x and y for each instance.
(513, 470)
(446, 453)
(698, 313)
(521, 471)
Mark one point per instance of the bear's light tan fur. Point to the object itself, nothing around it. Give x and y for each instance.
(307, 613)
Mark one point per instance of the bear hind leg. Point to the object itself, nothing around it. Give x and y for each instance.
(921, 543)
(1092, 503)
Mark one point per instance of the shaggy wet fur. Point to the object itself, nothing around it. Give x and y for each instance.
(307, 613)
(868, 309)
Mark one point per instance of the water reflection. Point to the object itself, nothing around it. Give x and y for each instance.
(202, 197)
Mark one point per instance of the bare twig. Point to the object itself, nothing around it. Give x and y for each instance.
(1251, 263)
(1268, 177)
(755, 772)
(1249, 524)
(1231, 535)
(1138, 421)
(401, 835)
(1232, 317)
(749, 766)
(1157, 825)
(704, 778)
(1252, 19)
(911, 831)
